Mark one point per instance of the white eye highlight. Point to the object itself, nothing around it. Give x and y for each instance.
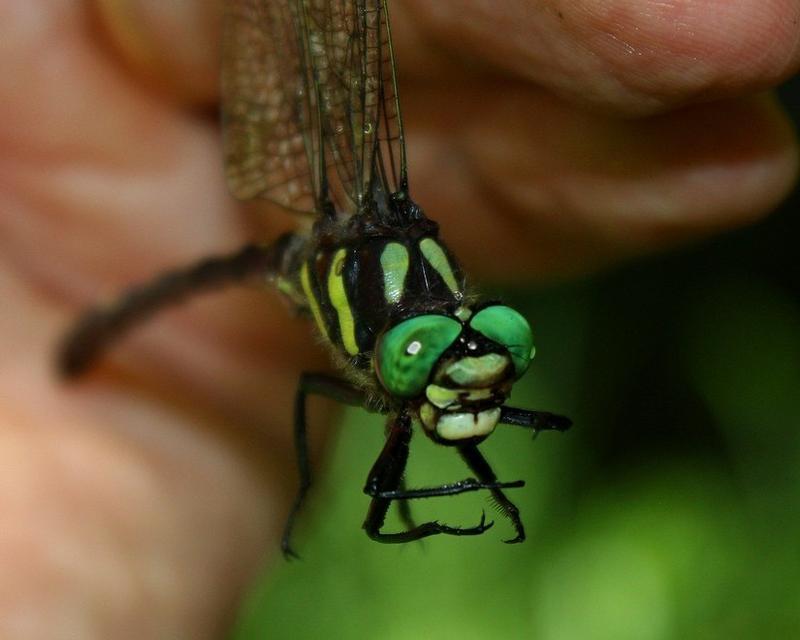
(414, 348)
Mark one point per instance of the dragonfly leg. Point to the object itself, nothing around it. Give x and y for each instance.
(318, 384)
(100, 327)
(402, 495)
(403, 506)
(480, 466)
(535, 420)
(386, 476)
(451, 489)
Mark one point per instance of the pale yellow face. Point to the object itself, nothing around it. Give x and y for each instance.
(460, 413)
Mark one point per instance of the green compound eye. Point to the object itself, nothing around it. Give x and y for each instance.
(407, 353)
(509, 328)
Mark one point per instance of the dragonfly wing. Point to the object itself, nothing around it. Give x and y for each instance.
(349, 46)
(310, 106)
(390, 151)
(269, 120)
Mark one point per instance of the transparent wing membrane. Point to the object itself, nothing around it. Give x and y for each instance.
(310, 103)
(266, 114)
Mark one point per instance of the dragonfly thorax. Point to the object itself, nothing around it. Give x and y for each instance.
(359, 276)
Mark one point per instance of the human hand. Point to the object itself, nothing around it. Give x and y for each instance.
(140, 502)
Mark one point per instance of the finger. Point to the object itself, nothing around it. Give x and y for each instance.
(550, 190)
(89, 154)
(628, 56)
(172, 45)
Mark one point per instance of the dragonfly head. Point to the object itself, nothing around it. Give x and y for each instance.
(457, 370)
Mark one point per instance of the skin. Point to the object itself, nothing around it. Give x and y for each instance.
(142, 500)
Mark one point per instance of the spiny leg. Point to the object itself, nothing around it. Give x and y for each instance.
(100, 327)
(480, 466)
(386, 475)
(451, 489)
(402, 494)
(535, 420)
(319, 384)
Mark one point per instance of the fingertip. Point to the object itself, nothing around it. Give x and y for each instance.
(569, 190)
(657, 55)
(723, 167)
(626, 57)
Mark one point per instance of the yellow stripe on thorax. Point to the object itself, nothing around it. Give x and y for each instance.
(437, 258)
(305, 281)
(394, 263)
(338, 297)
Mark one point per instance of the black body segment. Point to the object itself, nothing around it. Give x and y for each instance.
(102, 326)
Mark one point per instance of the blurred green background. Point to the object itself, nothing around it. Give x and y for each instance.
(670, 510)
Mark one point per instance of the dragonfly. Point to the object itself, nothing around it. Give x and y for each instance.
(312, 121)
